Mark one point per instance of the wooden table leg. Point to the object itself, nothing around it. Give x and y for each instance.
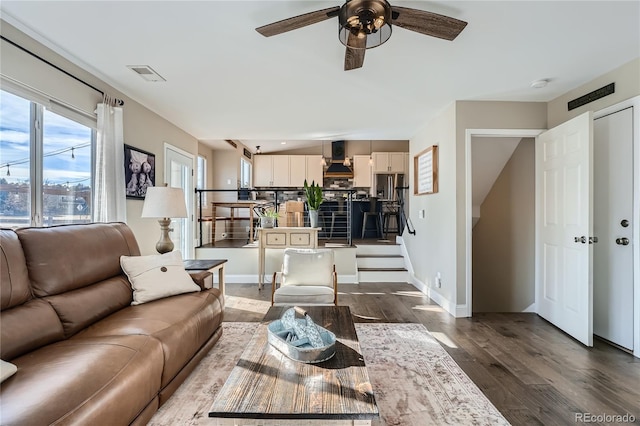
(213, 225)
(250, 224)
(231, 229)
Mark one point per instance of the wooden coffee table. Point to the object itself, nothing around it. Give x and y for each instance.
(265, 384)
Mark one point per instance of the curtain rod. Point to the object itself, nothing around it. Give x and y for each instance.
(118, 102)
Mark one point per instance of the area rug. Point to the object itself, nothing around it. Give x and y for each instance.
(415, 381)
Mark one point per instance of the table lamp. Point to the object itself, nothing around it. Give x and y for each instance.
(164, 203)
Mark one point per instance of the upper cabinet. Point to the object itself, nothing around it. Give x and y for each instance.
(389, 162)
(314, 169)
(286, 170)
(270, 170)
(361, 171)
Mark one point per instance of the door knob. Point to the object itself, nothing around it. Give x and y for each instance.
(582, 239)
(622, 241)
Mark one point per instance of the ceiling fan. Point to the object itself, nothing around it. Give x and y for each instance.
(365, 24)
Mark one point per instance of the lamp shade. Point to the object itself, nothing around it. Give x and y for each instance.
(164, 201)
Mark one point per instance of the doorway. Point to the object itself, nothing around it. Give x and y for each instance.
(633, 327)
(178, 171)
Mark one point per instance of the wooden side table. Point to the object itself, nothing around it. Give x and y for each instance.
(210, 265)
(283, 237)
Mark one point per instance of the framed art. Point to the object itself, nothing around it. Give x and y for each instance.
(139, 171)
(425, 166)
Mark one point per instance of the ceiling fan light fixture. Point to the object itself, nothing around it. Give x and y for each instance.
(365, 18)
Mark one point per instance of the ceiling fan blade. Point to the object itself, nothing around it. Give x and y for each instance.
(428, 23)
(298, 21)
(354, 55)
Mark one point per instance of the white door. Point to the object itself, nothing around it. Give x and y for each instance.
(564, 210)
(178, 173)
(613, 225)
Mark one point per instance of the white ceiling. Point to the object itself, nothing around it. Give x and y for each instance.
(226, 81)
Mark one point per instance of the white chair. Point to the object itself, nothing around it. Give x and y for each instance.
(308, 277)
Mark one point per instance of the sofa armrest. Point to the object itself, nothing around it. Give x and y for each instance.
(199, 277)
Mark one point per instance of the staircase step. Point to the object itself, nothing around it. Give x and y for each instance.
(383, 275)
(384, 261)
(378, 255)
(381, 269)
(377, 249)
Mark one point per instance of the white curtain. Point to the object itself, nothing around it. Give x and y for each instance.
(109, 199)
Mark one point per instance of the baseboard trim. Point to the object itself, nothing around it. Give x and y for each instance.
(244, 279)
(457, 311)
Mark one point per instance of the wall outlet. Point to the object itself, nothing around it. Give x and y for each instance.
(421, 214)
(438, 280)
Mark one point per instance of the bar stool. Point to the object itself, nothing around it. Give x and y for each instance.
(391, 209)
(373, 213)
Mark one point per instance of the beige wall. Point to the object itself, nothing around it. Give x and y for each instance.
(433, 249)
(504, 237)
(626, 78)
(142, 128)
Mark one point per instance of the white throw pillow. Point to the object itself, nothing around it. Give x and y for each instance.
(157, 276)
(6, 370)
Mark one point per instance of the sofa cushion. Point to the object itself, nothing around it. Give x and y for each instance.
(156, 276)
(68, 257)
(80, 308)
(182, 324)
(14, 279)
(6, 370)
(28, 327)
(84, 381)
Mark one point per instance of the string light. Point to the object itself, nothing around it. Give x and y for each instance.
(8, 172)
(72, 154)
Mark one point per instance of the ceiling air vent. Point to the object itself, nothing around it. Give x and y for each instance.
(146, 72)
(232, 143)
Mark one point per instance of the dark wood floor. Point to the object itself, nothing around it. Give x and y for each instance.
(532, 372)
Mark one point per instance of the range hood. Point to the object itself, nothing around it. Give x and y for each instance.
(336, 168)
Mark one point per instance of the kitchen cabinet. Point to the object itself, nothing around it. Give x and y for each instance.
(297, 170)
(271, 170)
(362, 171)
(314, 170)
(388, 162)
(283, 171)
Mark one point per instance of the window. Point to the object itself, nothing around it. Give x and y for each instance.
(45, 165)
(245, 173)
(202, 178)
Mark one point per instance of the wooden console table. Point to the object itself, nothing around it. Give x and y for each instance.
(283, 237)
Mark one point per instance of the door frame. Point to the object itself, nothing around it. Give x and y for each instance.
(466, 310)
(191, 207)
(635, 243)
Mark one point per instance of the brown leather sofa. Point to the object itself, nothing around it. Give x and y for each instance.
(84, 354)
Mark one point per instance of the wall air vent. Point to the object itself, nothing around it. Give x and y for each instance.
(146, 72)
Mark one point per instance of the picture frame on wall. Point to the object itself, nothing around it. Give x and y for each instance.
(139, 172)
(425, 166)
